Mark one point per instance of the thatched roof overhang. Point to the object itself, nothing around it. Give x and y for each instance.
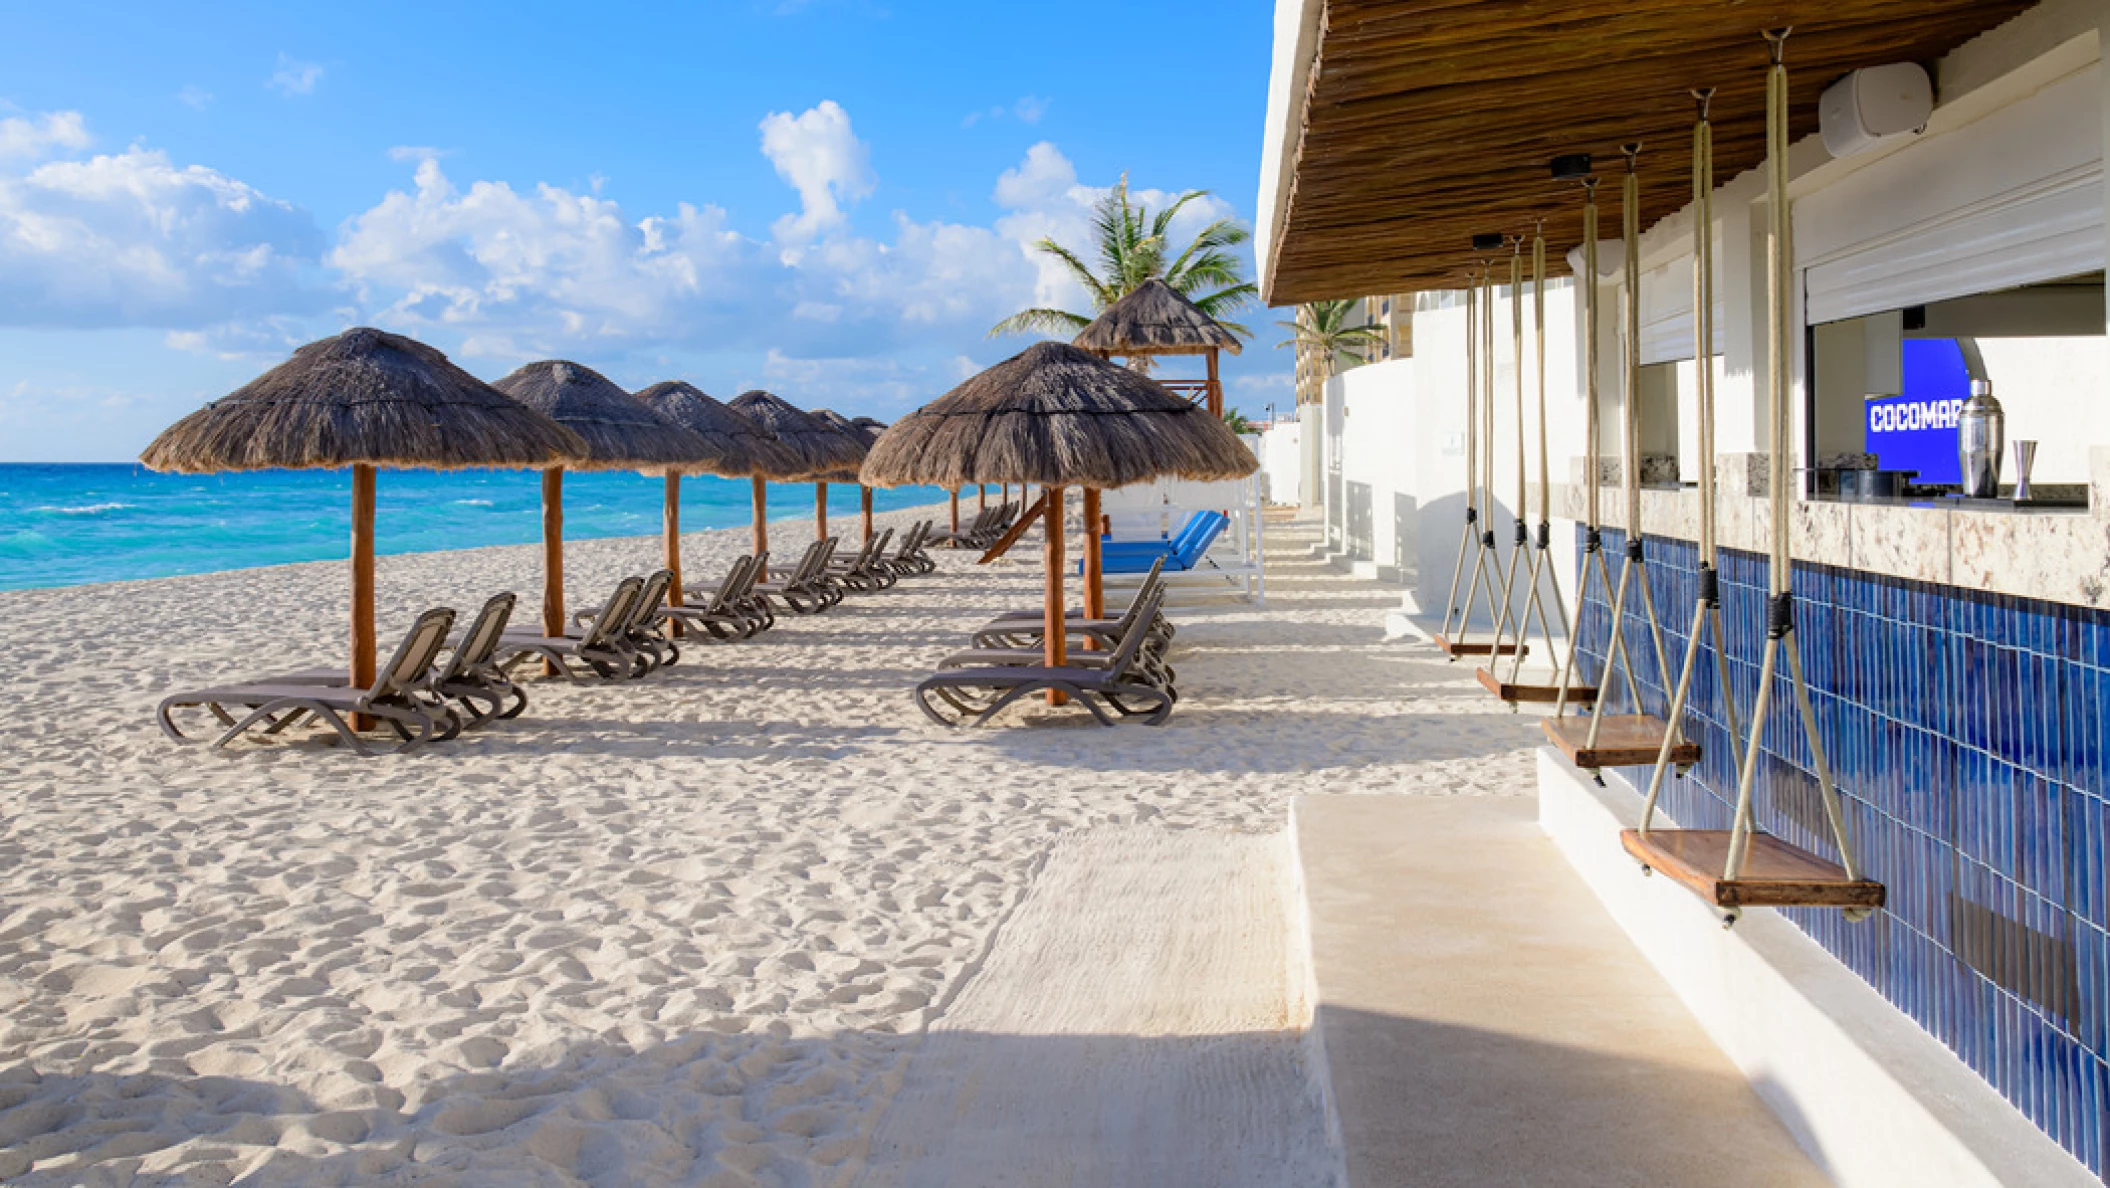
(818, 447)
(1154, 319)
(621, 432)
(1059, 416)
(741, 448)
(362, 397)
(848, 428)
(1399, 130)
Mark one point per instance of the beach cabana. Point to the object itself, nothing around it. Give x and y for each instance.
(364, 399)
(1059, 416)
(739, 448)
(1154, 320)
(817, 446)
(620, 432)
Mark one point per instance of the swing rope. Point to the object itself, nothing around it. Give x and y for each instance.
(1540, 570)
(1593, 545)
(1470, 540)
(1523, 533)
(1707, 603)
(1634, 567)
(1780, 616)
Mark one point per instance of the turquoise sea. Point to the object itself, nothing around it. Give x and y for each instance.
(65, 525)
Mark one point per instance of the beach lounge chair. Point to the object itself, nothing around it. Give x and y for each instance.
(977, 534)
(1025, 628)
(1184, 551)
(864, 572)
(398, 697)
(806, 590)
(975, 695)
(1150, 664)
(910, 558)
(601, 648)
(718, 610)
(470, 682)
(644, 631)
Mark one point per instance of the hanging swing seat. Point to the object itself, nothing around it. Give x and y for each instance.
(1533, 687)
(1625, 740)
(1775, 873)
(1475, 647)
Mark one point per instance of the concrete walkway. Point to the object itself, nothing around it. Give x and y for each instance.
(1484, 1021)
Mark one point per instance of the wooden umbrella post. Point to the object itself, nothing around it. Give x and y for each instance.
(671, 517)
(981, 497)
(820, 511)
(956, 509)
(864, 503)
(362, 584)
(1216, 388)
(761, 524)
(553, 551)
(1054, 631)
(1094, 575)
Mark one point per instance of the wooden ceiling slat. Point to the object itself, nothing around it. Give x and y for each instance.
(1427, 122)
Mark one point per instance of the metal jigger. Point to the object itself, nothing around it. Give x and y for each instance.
(2025, 457)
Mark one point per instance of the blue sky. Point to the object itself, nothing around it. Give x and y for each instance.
(828, 198)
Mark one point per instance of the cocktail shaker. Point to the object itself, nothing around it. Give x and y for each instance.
(1981, 437)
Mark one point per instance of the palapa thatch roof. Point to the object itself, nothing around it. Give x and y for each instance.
(850, 429)
(364, 396)
(819, 448)
(1056, 415)
(1154, 320)
(621, 431)
(743, 448)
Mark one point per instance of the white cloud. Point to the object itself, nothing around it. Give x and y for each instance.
(415, 152)
(31, 138)
(821, 157)
(134, 239)
(1030, 108)
(294, 77)
(195, 98)
(532, 272)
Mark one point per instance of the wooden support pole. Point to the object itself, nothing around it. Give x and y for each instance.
(1094, 583)
(820, 511)
(955, 509)
(553, 551)
(363, 660)
(761, 499)
(1019, 527)
(864, 503)
(981, 497)
(1216, 388)
(672, 519)
(1054, 631)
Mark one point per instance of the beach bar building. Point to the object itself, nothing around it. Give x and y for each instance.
(1947, 202)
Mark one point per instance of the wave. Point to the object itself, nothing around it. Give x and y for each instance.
(473, 503)
(83, 509)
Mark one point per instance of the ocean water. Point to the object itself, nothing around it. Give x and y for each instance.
(65, 525)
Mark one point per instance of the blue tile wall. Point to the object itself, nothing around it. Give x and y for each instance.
(1967, 734)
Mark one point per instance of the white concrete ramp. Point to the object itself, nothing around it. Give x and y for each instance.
(1484, 1021)
(1133, 1025)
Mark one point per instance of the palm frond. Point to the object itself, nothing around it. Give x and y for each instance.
(1056, 322)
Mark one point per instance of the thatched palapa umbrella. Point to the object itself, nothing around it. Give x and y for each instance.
(851, 429)
(620, 432)
(1058, 416)
(1153, 320)
(740, 449)
(818, 447)
(363, 399)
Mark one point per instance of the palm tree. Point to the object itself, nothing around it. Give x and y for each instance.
(1133, 247)
(1322, 328)
(1237, 423)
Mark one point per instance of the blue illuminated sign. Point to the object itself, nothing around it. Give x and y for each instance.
(1917, 430)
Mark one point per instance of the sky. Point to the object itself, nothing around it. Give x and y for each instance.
(831, 199)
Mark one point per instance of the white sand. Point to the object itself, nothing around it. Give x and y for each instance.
(693, 929)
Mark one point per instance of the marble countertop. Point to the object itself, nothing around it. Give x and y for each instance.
(2059, 555)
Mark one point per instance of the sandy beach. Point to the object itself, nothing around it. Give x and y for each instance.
(752, 920)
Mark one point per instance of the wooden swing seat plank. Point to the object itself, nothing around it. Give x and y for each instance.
(1775, 873)
(1626, 740)
(1462, 647)
(1533, 687)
